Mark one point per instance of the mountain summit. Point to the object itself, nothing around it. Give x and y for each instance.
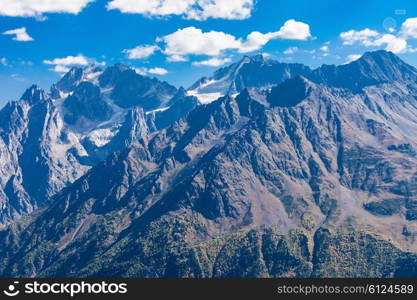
(250, 72)
(371, 69)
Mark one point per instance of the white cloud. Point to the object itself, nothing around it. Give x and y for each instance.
(155, 71)
(393, 43)
(158, 71)
(293, 30)
(290, 50)
(222, 9)
(20, 34)
(325, 48)
(190, 9)
(140, 52)
(371, 38)
(254, 41)
(79, 60)
(3, 61)
(33, 8)
(352, 57)
(60, 69)
(62, 65)
(193, 41)
(151, 7)
(409, 28)
(176, 58)
(352, 36)
(212, 62)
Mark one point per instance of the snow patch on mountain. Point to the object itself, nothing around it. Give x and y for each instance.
(205, 98)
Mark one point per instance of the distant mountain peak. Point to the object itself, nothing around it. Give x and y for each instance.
(69, 80)
(74, 77)
(120, 67)
(381, 58)
(378, 53)
(258, 58)
(34, 94)
(372, 68)
(250, 72)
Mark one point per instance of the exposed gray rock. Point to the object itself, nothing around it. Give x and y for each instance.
(249, 186)
(48, 140)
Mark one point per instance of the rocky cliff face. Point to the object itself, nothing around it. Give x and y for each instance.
(49, 139)
(308, 179)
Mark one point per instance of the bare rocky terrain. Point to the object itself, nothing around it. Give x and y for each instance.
(315, 176)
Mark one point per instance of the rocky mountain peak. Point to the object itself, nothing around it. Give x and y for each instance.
(34, 94)
(69, 80)
(386, 66)
(371, 69)
(250, 72)
(255, 59)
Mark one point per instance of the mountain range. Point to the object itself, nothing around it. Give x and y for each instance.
(49, 139)
(264, 169)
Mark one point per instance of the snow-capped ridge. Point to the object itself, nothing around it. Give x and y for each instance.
(250, 72)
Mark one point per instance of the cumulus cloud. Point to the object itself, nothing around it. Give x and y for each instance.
(352, 36)
(393, 43)
(3, 61)
(190, 9)
(176, 58)
(212, 62)
(290, 50)
(154, 71)
(80, 60)
(352, 57)
(140, 52)
(60, 69)
(221, 9)
(254, 41)
(371, 38)
(193, 41)
(62, 65)
(34, 8)
(325, 48)
(20, 34)
(292, 30)
(409, 28)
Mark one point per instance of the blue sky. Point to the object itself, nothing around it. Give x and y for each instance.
(182, 40)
